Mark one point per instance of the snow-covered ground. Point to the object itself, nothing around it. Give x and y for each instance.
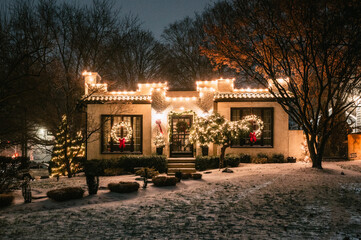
(256, 201)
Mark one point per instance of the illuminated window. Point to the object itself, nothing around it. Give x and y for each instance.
(266, 115)
(133, 145)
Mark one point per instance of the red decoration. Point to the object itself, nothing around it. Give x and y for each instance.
(252, 137)
(160, 128)
(121, 143)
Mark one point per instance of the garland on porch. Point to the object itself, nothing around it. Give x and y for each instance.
(176, 114)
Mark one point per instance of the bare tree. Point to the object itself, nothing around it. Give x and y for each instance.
(21, 42)
(81, 38)
(313, 45)
(137, 57)
(184, 64)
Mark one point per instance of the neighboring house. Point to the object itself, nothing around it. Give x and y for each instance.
(153, 107)
(41, 153)
(36, 152)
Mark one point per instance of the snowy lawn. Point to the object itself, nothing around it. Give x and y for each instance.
(256, 201)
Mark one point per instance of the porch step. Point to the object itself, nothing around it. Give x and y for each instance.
(181, 165)
(181, 160)
(185, 165)
(172, 171)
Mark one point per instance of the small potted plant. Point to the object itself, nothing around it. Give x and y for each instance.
(159, 143)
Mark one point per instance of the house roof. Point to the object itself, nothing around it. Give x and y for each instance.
(221, 89)
(103, 98)
(245, 95)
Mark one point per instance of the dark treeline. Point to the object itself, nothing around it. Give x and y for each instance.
(45, 45)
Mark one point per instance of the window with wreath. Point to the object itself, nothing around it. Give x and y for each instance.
(266, 115)
(121, 134)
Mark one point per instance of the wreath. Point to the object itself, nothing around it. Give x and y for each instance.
(121, 140)
(253, 120)
(182, 126)
(176, 114)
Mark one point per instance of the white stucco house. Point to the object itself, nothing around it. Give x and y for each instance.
(153, 108)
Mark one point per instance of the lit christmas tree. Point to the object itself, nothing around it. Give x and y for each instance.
(67, 150)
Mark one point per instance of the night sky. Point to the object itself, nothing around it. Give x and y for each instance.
(154, 15)
(158, 14)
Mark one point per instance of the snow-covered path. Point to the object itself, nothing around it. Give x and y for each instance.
(257, 201)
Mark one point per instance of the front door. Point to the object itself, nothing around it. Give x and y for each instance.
(180, 145)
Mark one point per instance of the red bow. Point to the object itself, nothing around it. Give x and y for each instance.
(121, 143)
(252, 137)
(160, 128)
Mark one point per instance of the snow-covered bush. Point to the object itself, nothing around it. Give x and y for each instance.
(151, 172)
(123, 187)
(65, 194)
(162, 181)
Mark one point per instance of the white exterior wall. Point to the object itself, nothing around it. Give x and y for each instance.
(280, 128)
(94, 112)
(162, 102)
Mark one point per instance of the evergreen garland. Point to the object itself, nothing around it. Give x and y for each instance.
(177, 114)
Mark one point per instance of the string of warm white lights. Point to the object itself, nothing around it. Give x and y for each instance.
(116, 128)
(181, 99)
(145, 91)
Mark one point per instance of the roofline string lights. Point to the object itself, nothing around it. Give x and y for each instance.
(145, 91)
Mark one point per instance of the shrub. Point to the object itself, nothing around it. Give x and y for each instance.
(161, 181)
(94, 168)
(244, 158)
(186, 175)
(262, 155)
(291, 159)
(259, 160)
(151, 172)
(277, 158)
(196, 176)
(123, 187)
(212, 162)
(11, 171)
(114, 171)
(207, 162)
(6, 199)
(232, 160)
(64, 194)
(126, 162)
